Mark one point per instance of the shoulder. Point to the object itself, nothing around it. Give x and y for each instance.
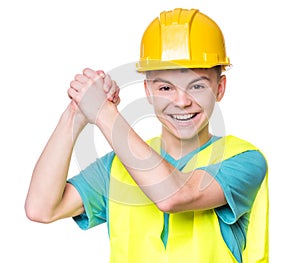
(252, 152)
(239, 146)
(252, 161)
(244, 156)
(234, 141)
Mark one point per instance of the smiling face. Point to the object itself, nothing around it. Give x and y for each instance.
(184, 99)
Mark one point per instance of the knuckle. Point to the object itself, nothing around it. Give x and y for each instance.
(101, 73)
(78, 76)
(89, 73)
(86, 70)
(73, 83)
(69, 92)
(107, 80)
(116, 85)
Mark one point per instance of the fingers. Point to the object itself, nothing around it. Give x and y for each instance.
(88, 75)
(116, 97)
(101, 73)
(74, 90)
(82, 82)
(107, 83)
(81, 78)
(92, 74)
(114, 93)
(86, 89)
(111, 88)
(72, 94)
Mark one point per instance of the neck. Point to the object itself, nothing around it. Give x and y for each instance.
(177, 147)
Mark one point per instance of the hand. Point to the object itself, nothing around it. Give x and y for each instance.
(91, 91)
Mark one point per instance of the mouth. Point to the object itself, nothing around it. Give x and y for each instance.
(183, 117)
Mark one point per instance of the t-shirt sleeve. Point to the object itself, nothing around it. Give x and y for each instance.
(240, 178)
(92, 183)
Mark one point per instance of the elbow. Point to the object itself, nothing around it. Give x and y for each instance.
(182, 201)
(166, 207)
(171, 205)
(36, 214)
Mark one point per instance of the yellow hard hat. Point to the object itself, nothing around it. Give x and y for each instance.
(182, 38)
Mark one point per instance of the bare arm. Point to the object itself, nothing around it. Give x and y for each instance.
(49, 197)
(170, 189)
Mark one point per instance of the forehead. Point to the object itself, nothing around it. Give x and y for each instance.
(182, 75)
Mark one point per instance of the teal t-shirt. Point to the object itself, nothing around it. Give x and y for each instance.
(240, 178)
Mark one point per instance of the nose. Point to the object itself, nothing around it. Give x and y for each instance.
(182, 99)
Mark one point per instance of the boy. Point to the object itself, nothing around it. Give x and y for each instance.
(186, 195)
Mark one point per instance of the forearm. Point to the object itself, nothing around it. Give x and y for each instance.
(49, 176)
(156, 177)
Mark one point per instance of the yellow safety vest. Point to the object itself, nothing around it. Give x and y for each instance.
(136, 224)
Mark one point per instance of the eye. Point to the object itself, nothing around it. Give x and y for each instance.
(198, 86)
(164, 88)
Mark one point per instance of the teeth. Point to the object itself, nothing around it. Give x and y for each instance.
(183, 117)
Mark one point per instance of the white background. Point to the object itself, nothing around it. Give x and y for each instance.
(45, 43)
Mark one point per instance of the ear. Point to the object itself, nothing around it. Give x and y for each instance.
(221, 88)
(148, 92)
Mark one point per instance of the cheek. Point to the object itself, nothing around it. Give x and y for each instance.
(160, 103)
(207, 102)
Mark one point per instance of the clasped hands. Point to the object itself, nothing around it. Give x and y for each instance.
(91, 91)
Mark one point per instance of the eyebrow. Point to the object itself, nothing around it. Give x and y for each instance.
(200, 78)
(155, 80)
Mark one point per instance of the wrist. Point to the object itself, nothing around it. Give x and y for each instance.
(73, 119)
(107, 116)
